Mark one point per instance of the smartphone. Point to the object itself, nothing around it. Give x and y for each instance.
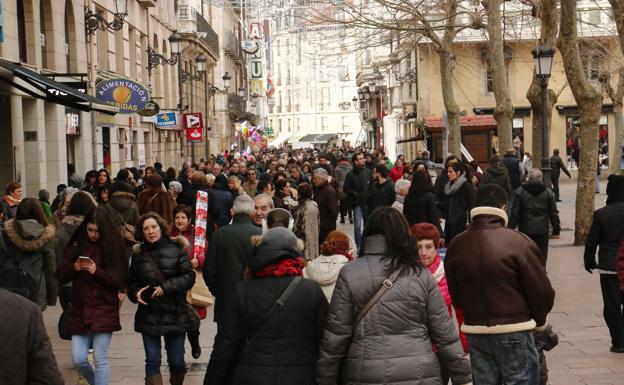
(82, 258)
(146, 295)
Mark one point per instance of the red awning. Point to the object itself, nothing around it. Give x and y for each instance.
(464, 121)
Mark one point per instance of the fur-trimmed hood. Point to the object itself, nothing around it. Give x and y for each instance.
(72, 220)
(28, 234)
(180, 240)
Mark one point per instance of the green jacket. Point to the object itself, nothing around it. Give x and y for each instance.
(229, 250)
(32, 243)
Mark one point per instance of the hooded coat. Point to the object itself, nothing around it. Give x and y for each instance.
(460, 200)
(392, 344)
(32, 244)
(122, 208)
(281, 349)
(496, 174)
(160, 202)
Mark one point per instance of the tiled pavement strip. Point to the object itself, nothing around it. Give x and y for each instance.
(582, 356)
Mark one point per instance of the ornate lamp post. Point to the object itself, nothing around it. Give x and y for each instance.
(543, 56)
(94, 21)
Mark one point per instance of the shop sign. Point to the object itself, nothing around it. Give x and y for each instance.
(194, 124)
(129, 96)
(72, 122)
(167, 120)
(151, 108)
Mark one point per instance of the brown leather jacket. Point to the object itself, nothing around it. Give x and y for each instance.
(497, 277)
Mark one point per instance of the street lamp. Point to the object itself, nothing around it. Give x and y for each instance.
(155, 59)
(355, 102)
(543, 56)
(94, 21)
(241, 91)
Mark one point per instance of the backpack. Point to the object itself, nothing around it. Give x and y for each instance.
(15, 279)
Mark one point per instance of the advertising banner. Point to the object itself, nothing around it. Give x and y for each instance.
(167, 120)
(128, 95)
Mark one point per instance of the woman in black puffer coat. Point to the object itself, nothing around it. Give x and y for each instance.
(160, 275)
(281, 347)
(460, 200)
(420, 203)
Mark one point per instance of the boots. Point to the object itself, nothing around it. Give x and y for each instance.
(155, 379)
(177, 378)
(193, 338)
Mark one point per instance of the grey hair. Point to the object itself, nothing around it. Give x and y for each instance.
(322, 173)
(267, 198)
(401, 184)
(243, 204)
(210, 179)
(176, 186)
(535, 175)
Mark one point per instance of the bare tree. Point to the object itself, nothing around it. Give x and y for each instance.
(618, 14)
(589, 102)
(503, 113)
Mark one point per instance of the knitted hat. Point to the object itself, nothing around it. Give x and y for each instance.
(274, 245)
(44, 195)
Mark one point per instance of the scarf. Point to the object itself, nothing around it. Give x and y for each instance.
(453, 187)
(345, 254)
(11, 201)
(437, 269)
(284, 268)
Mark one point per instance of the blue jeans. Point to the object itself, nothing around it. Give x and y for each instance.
(359, 213)
(80, 353)
(509, 358)
(174, 345)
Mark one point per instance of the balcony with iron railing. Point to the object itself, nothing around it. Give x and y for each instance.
(233, 47)
(191, 21)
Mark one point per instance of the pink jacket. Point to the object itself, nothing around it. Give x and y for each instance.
(437, 270)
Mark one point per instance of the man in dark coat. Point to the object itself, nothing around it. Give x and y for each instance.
(381, 191)
(500, 312)
(26, 352)
(356, 187)
(606, 233)
(556, 166)
(327, 200)
(514, 168)
(496, 174)
(229, 248)
(533, 208)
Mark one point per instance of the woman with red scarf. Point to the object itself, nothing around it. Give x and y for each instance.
(279, 346)
(335, 254)
(428, 240)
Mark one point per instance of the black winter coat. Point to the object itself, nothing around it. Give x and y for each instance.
(327, 200)
(458, 208)
(283, 351)
(556, 166)
(166, 314)
(422, 209)
(380, 195)
(512, 163)
(356, 186)
(496, 174)
(532, 208)
(607, 230)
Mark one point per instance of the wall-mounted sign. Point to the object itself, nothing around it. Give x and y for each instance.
(166, 120)
(255, 32)
(151, 108)
(129, 96)
(256, 87)
(72, 122)
(250, 47)
(194, 124)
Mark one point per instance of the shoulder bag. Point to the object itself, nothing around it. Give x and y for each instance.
(386, 285)
(191, 312)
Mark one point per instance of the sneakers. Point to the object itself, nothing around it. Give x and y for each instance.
(617, 349)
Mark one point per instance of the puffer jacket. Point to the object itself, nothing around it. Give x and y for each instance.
(94, 301)
(606, 233)
(31, 242)
(324, 270)
(280, 350)
(26, 352)
(496, 174)
(533, 207)
(515, 295)
(392, 344)
(122, 208)
(342, 170)
(166, 314)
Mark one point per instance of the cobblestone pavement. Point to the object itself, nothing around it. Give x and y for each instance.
(582, 356)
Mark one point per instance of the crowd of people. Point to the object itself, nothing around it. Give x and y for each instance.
(295, 299)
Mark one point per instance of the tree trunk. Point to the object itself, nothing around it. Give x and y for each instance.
(546, 11)
(615, 164)
(503, 113)
(452, 109)
(589, 103)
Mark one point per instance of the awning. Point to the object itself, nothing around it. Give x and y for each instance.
(312, 139)
(280, 140)
(42, 87)
(435, 123)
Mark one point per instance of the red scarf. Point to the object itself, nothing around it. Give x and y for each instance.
(347, 255)
(284, 268)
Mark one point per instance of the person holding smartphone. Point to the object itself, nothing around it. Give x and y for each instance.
(160, 276)
(95, 262)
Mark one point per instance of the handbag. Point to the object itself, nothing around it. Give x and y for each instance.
(199, 295)
(193, 317)
(63, 326)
